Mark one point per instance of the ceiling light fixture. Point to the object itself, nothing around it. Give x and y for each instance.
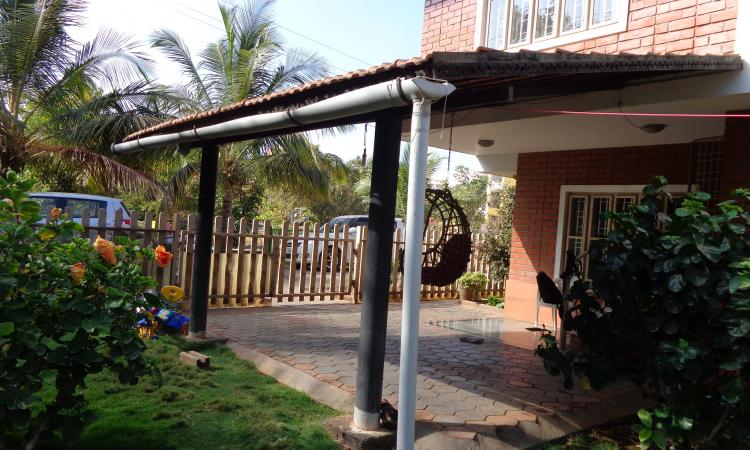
(653, 128)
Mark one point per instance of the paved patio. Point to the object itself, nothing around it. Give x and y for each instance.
(464, 389)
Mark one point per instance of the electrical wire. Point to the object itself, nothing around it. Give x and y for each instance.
(323, 44)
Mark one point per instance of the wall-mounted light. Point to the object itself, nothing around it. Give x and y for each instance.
(653, 128)
(485, 142)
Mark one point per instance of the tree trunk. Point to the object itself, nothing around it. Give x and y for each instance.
(226, 205)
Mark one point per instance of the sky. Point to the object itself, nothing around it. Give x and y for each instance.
(350, 35)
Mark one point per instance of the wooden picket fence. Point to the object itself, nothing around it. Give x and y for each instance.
(254, 263)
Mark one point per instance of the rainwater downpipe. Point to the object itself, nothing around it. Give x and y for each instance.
(407, 398)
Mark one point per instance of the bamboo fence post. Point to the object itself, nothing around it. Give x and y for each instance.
(189, 240)
(229, 263)
(241, 274)
(314, 262)
(174, 266)
(147, 237)
(292, 282)
(361, 262)
(255, 265)
(214, 299)
(281, 255)
(266, 261)
(345, 266)
(101, 223)
(303, 259)
(161, 225)
(324, 259)
(395, 260)
(334, 265)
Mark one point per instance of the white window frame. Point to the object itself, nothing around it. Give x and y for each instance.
(559, 38)
(530, 19)
(567, 189)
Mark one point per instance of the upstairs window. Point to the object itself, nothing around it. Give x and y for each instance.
(539, 24)
(519, 21)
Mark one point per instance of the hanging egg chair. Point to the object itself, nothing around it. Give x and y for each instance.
(445, 260)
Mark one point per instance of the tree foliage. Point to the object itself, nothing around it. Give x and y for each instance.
(495, 250)
(62, 103)
(363, 185)
(471, 193)
(249, 60)
(668, 307)
(67, 310)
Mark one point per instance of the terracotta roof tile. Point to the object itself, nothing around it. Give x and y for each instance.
(479, 64)
(327, 81)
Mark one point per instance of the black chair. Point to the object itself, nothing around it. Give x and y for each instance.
(549, 294)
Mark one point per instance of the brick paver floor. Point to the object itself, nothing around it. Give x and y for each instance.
(463, 388)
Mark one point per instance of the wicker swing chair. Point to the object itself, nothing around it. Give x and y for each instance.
(445, 260)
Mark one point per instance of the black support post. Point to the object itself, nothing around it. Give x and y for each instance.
(202, 264)
(374, 318)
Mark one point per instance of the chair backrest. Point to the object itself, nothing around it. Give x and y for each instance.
(548, 291)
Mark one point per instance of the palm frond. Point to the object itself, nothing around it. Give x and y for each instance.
(108, 173)
(172, 45)
(298, 165)
(174, 190)
(34, 46)
(94, 119)
(299, 67)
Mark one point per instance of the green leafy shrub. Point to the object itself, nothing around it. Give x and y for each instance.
(668, 307)
(473, 280)
(67, 310)
(494, 300)
(495, 249)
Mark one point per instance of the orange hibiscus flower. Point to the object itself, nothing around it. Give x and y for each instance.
(106, 249)
(162, 256)
(77, 272)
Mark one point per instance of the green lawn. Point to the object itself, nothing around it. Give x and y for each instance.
(582, 441)
(613, 436)
(231, 406)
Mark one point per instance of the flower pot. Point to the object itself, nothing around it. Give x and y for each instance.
(466, 293)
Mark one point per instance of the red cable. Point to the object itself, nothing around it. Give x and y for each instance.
(630, 114)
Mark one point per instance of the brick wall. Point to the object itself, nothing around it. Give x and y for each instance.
(671, 26)
(448, 25)
(658, 26)
(540, 175)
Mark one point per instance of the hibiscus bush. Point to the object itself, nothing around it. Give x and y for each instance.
(668, 307)
(67, 310)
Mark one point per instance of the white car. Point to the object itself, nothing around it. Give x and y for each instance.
(79, 202)
(354, 223)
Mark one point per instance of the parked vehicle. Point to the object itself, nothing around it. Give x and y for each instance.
(79, 202)
(325, 253)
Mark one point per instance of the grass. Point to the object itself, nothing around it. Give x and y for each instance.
(613, 436)
(230, 406)
(580, 441)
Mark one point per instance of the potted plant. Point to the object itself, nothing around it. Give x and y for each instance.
(469, 284)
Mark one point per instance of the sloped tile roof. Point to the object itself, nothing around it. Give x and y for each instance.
(463, 69)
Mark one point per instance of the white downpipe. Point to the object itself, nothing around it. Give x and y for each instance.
(407, 395)
(389, 94)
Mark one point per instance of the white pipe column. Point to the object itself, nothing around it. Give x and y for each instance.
(407, 395)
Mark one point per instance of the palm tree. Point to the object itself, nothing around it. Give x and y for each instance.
(249, 60)
(62, 102)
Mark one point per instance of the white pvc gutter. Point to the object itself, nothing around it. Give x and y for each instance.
(398, 92)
